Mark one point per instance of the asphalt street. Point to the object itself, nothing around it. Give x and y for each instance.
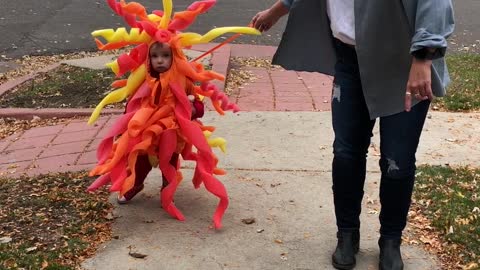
(32, 27)
(58, 26)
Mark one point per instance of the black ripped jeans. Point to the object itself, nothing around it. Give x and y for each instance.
(399, 137)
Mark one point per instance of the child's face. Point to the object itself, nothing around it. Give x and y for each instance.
(160, 57)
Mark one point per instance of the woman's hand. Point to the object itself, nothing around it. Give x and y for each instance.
(419, 82)
(264, 20)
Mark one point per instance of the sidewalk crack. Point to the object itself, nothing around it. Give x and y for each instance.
(308, 90)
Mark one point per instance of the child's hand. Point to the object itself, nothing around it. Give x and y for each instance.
(198, 108)
(192, 100)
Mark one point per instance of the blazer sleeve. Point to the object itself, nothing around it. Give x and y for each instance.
(287, 3)
(433, 24)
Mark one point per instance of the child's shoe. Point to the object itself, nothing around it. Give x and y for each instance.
(130, 194)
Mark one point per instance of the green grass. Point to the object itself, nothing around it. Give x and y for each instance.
(54, 214)
(17, 257)
(64, 87)
(463, 94)
(450, 198)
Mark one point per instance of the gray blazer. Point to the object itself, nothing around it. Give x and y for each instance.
(386, 32)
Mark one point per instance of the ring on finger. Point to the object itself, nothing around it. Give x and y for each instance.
(408, 93)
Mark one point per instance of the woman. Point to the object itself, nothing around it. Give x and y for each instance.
(387, 59)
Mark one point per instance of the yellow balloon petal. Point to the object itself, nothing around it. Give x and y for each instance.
(121, 34)
(134, 81)
(218, 142)
(187, 39)
(193, 38)
(105, 33)
(114, 67)
(167, 13)
(154, 18)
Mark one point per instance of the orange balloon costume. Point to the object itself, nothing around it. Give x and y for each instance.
(157, 120)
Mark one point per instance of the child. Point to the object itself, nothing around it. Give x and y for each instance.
(160, 118)
(160, 61)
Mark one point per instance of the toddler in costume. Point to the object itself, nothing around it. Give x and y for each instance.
(163, 91)
(160, 61)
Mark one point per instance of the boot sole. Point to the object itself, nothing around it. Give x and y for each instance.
(343, 266)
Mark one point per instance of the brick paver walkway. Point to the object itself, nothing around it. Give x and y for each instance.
(281, 90)
(66, 147)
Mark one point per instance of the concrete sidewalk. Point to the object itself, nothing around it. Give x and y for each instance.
(279, 174)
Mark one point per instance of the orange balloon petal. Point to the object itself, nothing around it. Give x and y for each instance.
(119, 83)
(218, 107)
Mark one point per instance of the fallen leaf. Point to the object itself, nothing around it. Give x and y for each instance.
(248, 220)
(137, 255)
(31, 249)
(426, 240)
(471, 266)
(5, 240)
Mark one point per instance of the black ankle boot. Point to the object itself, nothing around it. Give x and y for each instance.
(347, 246)
(390, 256)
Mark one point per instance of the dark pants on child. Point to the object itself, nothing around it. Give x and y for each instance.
(143, 167)
(399, 137)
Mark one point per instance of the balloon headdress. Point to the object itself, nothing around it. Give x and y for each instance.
(157, 120)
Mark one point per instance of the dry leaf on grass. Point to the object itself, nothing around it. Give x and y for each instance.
(52, 219)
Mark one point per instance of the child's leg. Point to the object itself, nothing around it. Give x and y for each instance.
(174, 163)
(142, 168)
